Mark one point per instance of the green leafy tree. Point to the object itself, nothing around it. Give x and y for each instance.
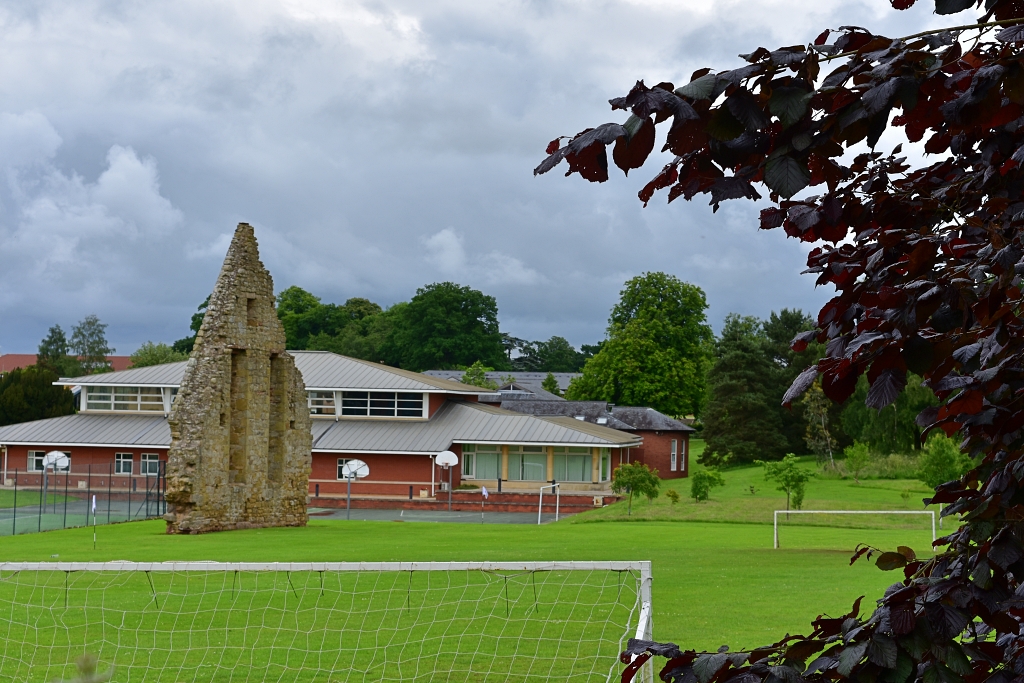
(188, 343)
(446, 326)
(942, 460)
(368, 337)
(702, 482)
(819, 432)
(657, 352)
(550, 385)
(779, 330)
(742, 420)
(53, 354)
(156, 354)
(857, 458)
(636, 478)
(89, 344)
(554, 355)
(476, 375)
(28, 394)
(894, 428)
(789, 477)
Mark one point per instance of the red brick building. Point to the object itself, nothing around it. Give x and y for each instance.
(395, 420)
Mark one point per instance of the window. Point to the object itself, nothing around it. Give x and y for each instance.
(481, 461)
(35, 461)
(134, 399)
(672, 456)
(606, 461)
(527, 463)
(341, 463)
(573, 463)
(149, 464)
(122, 463)
(381, 404)
(321, 402)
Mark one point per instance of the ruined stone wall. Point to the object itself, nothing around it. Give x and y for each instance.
(240, 427)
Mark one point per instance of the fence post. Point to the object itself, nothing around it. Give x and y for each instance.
(88, 492)
(42, 503)
(14, 519)
(110, 483)
(67, 475)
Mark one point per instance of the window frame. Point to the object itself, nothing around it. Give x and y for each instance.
(147, 459)
(673, 456)
(120, 459)
(406, 405)
(341, 463)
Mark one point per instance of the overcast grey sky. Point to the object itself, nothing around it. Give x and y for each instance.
(375, 146)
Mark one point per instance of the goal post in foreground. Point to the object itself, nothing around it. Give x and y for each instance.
(849, 512)
(323, 622)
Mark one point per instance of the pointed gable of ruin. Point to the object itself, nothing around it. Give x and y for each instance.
(240, 426)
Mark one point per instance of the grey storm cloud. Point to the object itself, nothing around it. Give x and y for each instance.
(375, 146)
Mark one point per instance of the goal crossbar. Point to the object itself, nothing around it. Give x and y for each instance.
(643, 567)
(849, 512)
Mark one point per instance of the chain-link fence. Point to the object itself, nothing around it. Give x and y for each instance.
(37, 501)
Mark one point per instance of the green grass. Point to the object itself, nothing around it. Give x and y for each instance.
(735, 502)
(717, 580)
(28, 497)
(713, 583)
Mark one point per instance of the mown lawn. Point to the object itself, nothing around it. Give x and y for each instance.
(747, 497)
(713, 583)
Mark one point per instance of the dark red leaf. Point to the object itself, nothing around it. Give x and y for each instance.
(889, 561)
(632, 151)
(1011, 34)
(822, 37)
(902, 4)
(553, 146)
(772, 218)
(803, 381)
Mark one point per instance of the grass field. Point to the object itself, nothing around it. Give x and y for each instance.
(717, 579)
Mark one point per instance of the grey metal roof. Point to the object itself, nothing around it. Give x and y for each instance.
(649, 419)
(455, 422)
(463, 422)
(90, 429)
(165, 375)
(321, 370)
(530, 380)
(619, 417)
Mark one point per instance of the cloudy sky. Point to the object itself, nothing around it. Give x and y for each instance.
(376, 147)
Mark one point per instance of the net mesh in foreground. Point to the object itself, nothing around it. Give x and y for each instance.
(430, 621)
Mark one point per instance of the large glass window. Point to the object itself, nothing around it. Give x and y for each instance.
(381, 404)
(527, 463)
(573, 463)
(672, 456)
(321, 402)
(122, 463)
(150, 464)
(481, 461)
(606, 464)
(146, 399)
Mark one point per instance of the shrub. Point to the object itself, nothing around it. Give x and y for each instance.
(942, 461)
(790, 477)
(702, 482)
(638, 478)
(857, 458)
(672, 495)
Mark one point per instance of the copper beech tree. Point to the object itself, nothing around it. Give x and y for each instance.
(926, 259)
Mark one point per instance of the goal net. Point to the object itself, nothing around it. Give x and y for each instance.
(322, 622)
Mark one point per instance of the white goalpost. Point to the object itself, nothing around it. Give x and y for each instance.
(850, 512)
(166, 622)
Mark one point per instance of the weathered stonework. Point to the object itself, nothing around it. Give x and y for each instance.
(240, 427)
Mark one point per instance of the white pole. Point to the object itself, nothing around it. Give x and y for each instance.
(93, 521)
(933, 525)
(776, 525)
(540, 504)
(431, 476)
(558, 493)
(348, 499)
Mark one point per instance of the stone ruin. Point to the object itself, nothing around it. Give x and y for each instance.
(240, 427)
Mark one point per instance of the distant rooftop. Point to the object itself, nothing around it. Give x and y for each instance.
(528, 380)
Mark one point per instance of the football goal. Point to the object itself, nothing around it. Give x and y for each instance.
(849, 512)
(323, 622)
